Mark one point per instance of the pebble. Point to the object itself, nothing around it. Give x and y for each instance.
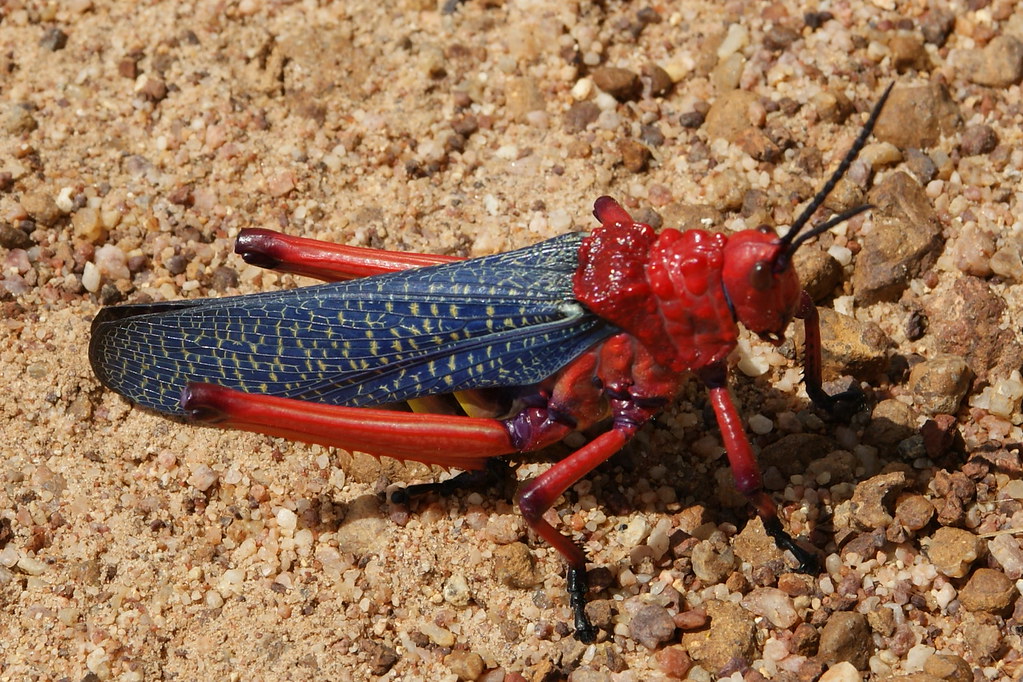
(651, 625)
(880, 155)
(1007, 552)
(939, 385)
(780, 36)
(515, 566)
(693, 619)
(914, 512)
(907, 52)
(953, 551)
(983, 638)
(467, 665)
(852, 346)
(438, 635)
(773, 604)
(18, 119)
(872, 499)
(53, 39)
(936, 26)
(957, 491)
(622, 84)
(725, 191)
(998, 64)
(635, 155)
(978, 139)
(973, 250)
(88, 226)
(710, 564)
(965, 321)
(846, 637)
(456, 591)
(730, 637)
(1007, 262)
(153, 89)
(580, 115)
(364, 531)
(728, 116)
(674, 662)
(381, 658)
(988, 590)
(726, 74)
(112, 262)
(906, 240)
(30, 565)
(42, 208)
(917, 116)
(805, 640)
(949, 667)
(13, 238)
(735, 39)
(203, 478)
(921, 165)
(882, 621)
(657, 81)
(838, 466)
(287, 520)
(843, 671)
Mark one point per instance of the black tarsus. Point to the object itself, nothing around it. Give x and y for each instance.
(808, 562)
(495, 471)
(789, 240)
(575, 579)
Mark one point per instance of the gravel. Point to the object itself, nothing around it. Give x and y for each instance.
(139, 140)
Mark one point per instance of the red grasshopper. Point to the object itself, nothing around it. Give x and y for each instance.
(569, 333)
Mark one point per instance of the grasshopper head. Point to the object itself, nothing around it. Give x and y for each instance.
(763, 296)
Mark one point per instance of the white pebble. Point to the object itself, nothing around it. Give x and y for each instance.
(582, 89)
(840, 253)
(65, 202)
(917, 656)
(287, 520)
(214, 600)
(944, 595)
(736, 39)
(91, 277)
(31, 566)
(773, 604)
(843, 671)
(760, 425)
(203, 477)
(606, 102)
(508, 152)
(635, 532)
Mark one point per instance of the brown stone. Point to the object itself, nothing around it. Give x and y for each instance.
(906, 240)
(917, 116)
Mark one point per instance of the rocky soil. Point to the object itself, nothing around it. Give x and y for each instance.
(139, 138)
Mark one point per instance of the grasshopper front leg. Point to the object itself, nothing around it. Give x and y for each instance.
(846, 402)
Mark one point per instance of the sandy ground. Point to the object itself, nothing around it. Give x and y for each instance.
(141, 137)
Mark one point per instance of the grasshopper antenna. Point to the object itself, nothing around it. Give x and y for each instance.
(790, 242)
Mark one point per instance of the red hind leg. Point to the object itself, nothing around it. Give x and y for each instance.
(444, 440)
(537, 496)
(323, 260)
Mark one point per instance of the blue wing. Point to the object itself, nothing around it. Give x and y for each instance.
(503, 320)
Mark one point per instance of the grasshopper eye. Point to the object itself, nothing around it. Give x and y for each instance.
(761, 277)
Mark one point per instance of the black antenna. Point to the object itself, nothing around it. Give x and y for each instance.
(789, 240)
